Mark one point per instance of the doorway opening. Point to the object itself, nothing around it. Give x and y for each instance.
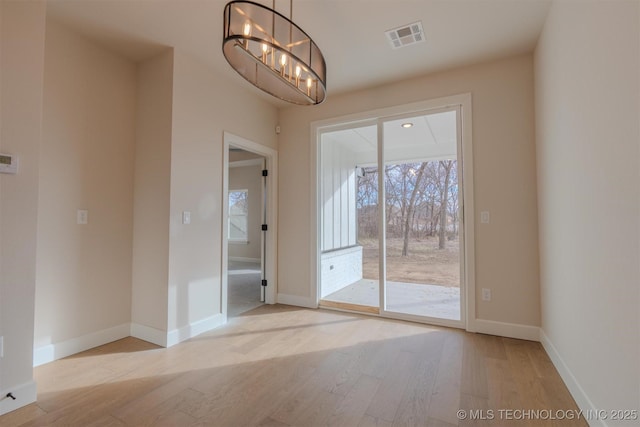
(391, 230)
(247, 205)
(249, 226)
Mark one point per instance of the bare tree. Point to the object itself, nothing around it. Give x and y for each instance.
(421, 200)
(411, 208)
(446, 166)
(367, 203)
(453, 206)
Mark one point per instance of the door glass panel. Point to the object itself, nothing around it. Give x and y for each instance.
(238, 213)
(349, 266)
(422, 219)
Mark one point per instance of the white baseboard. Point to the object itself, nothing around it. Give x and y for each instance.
(24, 394)
(577, 392)
(149, 334)
(49, 353)
(296, 300)
(509, 330)
(244, 259)
(44, 354)
(195, 328)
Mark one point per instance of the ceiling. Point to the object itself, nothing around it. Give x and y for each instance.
(430, 137)
(350, 33)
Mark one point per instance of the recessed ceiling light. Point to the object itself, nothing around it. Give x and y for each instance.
(407, 125)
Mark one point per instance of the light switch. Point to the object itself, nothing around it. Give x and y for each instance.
(186, 217)
(485, 217)
(82, 216)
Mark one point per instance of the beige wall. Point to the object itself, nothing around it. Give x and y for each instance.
(135, 148)
(587, 109)
(22, 42)
(504, 182)
(84, 271)
(204, 106)
(249, 178)
(151, 194)
(183, 110)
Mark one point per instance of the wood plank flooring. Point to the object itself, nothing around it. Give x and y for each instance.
(287, 366)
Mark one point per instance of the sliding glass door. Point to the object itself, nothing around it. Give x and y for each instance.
(390, 208)
(350, 256)
(422, 205)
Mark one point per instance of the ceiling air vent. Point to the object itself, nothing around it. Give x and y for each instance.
(406, 35)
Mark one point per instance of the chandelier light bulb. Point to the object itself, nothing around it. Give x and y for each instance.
(247, 29)
(298, 71)
(283, 63)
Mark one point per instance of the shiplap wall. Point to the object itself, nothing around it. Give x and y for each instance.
(338, 195)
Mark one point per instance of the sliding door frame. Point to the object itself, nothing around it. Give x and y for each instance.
(462, 104)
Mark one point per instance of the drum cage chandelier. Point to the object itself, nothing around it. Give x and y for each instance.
(273, 53)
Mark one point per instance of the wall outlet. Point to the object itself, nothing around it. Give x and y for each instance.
(486, 294)
(186, 217)
(485, 217)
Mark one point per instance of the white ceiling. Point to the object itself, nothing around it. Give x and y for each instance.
(350, 33)
(431, 137)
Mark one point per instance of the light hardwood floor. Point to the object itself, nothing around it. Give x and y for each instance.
(286, 366)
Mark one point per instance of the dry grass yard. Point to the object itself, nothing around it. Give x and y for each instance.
(425, 264)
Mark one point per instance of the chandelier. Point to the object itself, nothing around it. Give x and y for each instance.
(273, 53)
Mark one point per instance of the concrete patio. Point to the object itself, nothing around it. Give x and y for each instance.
(435, 301)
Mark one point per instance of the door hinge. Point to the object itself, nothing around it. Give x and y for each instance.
(264, 282)
(264, 227)
(265, 172)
